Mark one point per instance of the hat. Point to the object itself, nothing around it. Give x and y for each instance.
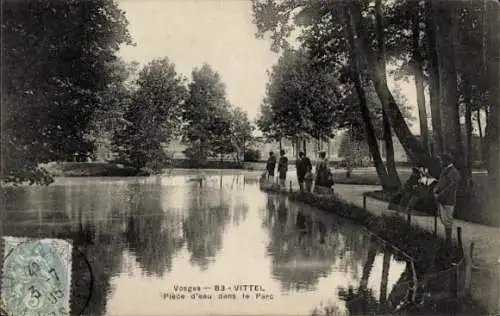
(446, 157)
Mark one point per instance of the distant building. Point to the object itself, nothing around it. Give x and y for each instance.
(331, 147)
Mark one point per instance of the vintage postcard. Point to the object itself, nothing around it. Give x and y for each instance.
(250, 157)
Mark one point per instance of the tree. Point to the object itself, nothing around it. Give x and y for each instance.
(301, 99)
(493, 128)
(391, 164)
(446, 36)
(55, 56)
(241, 132)
(265, 123)
(206, 115)
(154, 116)
(323, 26)
(115, 99)
(369, 131)
(433, 77)
(376, 70)
(418, 74)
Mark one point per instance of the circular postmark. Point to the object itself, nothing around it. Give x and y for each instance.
(36, 278)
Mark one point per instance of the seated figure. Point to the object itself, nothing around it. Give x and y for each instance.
(416, 193)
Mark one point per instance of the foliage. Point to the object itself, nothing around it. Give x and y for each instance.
(55, 56)
(211, 125)
(353, 149)
(108, 117)
(252, 155)
(323, 29)
(241, 131)
(300, 98)
(153, 117)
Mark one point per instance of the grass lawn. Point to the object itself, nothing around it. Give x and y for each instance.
(368, 176)
(107, 169)
(472, 212)
(88, 169)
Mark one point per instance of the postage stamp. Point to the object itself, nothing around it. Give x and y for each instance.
(36, 276)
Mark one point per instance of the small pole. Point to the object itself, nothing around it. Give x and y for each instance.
(459, 241)
(454, 281)
(435, 224)
(364, 202)
(290, 186)
(471, 250)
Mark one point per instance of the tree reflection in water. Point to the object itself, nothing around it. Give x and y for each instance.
(152, 233)
(208, 213)
(85, 216)
(305, 247)
(238, 205)
(362, 301)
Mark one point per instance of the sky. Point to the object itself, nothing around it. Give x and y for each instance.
(218, 32)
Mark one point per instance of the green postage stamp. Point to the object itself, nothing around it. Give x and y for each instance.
(36, 276)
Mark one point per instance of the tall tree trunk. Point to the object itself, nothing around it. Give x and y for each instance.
(389, 146)
(368, 266)
(469, 157)
(365, 113)
(395, 182)
(244, 147)
(281, 145)
(419, 76)
(430, 30)
(481, 136)
(493, 128)
(484, 28)
(385, 275)
(413, 148)
(304, 143)
(446, 35)
(297, 147)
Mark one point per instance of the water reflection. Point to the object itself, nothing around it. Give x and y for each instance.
(307, 247)
(363, 299)
(152, 233)
(141, 234)
(208, 213)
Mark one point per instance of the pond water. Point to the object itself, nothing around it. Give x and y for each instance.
(145, 237)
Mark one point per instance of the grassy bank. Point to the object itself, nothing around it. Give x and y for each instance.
(108, 169)
(368, 176)
(89, 169)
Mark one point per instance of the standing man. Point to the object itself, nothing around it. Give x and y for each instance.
(282, 168)
(445, 193)
(304, 167)
(270, 166)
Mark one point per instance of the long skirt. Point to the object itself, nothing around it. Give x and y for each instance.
(323, 190)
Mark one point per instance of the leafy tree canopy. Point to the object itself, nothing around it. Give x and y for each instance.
(55, 56)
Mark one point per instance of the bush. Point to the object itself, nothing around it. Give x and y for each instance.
(252, 155)
(196, 154)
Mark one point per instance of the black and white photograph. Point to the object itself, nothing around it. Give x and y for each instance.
(250, 157)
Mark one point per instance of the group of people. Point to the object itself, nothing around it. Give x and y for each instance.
(443, 190)
(322, 183)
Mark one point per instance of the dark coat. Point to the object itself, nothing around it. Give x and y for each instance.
(283, 164)
(282, 167)
(303, 166)
(446, 189)
(324, 177)
(271, 163)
